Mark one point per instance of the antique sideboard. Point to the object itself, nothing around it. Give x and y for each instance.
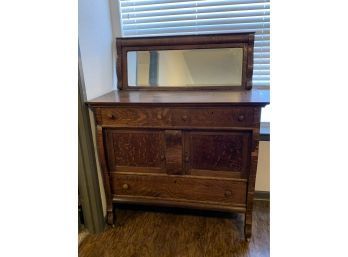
(189, 147)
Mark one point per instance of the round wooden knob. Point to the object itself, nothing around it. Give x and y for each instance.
(187, 158)
(111, 116)
(184, 117)
(125, 186)
(162, 157)
(159, 116)
(241, 117)
(228, 193)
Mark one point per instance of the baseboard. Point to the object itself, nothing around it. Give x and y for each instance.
(82, 235)
(265, 131)
(262, 196)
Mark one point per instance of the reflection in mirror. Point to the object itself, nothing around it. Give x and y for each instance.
(180, 68)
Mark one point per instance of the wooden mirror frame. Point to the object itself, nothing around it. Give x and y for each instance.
(242, 40)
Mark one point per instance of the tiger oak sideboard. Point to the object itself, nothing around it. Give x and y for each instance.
(189, 147)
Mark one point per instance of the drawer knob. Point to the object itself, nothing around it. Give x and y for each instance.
(187, 158)
(125, 186)
(228, 193)
(184, 117)
(159, 116)
(162, 157)
(111, 116)
(241, 117)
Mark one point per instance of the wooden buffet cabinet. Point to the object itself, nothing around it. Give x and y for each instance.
(180, 148)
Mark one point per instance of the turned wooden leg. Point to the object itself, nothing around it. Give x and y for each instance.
(110, 217)
(248, 225)
(251, 181)
(106, 178)
(247, 232)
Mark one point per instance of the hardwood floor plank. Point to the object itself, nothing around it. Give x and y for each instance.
(165, 232)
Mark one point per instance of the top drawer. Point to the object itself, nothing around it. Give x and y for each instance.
(176, 116)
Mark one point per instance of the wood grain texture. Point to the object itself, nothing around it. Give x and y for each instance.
(249, 62)
(139, 149)
(118, 63)
(176, 203)
(190, 149)
(252, 177)
(222, 151)
(174, 152)
(197, 39)
(177, 117)
(177, 233)
(208, 152)
(257, 97)
(137, 117)
(212, 117)
(169, 188)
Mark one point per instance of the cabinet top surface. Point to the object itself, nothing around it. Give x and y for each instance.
(243, 97)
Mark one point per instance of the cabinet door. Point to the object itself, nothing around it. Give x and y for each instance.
(135, 150)
(217, 153)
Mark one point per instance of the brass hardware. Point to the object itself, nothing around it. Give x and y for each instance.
(228, 193)
(111, 116)
(241, 117)
(125, 186)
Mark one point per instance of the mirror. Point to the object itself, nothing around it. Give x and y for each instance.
(185, 68)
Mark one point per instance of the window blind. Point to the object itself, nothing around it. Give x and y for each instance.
(181, 17)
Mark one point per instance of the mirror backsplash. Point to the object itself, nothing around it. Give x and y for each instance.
(185, 68)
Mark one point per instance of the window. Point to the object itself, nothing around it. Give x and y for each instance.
(181, 17)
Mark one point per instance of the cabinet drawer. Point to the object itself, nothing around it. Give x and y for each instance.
(133, 117)
(213, 117)
(177, 116)
(165, 187)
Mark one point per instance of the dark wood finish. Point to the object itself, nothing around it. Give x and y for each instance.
(252, 177)
(262, 195)
(185, 40)
(191, 149)
(195, 151)
(256, 97)
(224, 153)
(175, 203)
(173, 151)
(177, 117)
(135, 150)
(160, 232)
(207, 191)
(242, 40)
(249, 62)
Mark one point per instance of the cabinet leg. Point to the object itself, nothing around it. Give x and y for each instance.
(247, 232)
(110, 218)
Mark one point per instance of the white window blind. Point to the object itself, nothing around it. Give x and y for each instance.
(181, 17)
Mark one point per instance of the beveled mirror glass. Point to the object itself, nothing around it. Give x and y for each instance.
(185, 68)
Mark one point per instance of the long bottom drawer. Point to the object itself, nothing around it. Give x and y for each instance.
(179, 188)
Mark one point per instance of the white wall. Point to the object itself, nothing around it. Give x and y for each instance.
(263, 167)
(96, 47)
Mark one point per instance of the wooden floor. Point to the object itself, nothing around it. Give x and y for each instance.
(144, 232)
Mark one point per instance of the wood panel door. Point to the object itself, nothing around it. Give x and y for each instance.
(136, 150)
(217, 153)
